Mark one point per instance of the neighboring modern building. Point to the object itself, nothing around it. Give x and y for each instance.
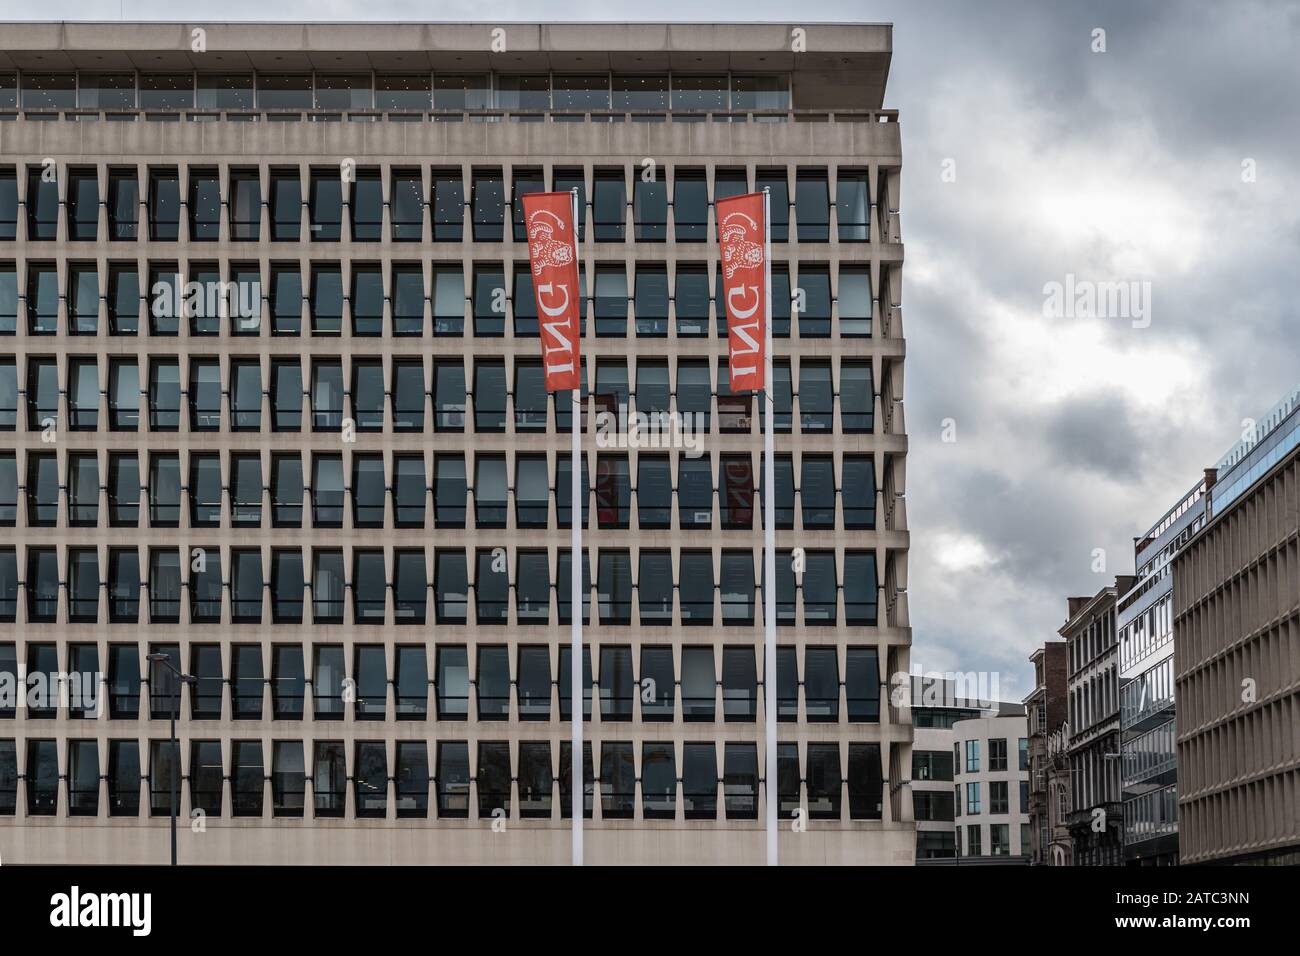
(1236, 621)
(1049, 772)
(270, 377)
(1144, 619)
(991, 788)
(938, 703)
(1092, 728)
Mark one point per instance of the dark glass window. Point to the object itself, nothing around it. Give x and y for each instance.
(326, 395)
(164, 395)
(617, 780)
(449, 491)
(825, 783)
(369, 586)
(247, 778)
(694, 492)
(737, 497)
(617, 688)
(452, 774)
(739, 684)
(408, 300)
(204, 205)
(692, 300)
(42, 684)
(83, 585)
(408, 491)
(287, 584)
(328, 588)
(326, 205)
(820, 588)
(370, 670)
(83, 680)
(816, 398)
(815, 292)
(490, 491)
(821, 684)
(859, 492)
(123, 778)
(329, 779)
(411, 781)
(529, 397)
(532, 492)
(494, 779)
(407, 207)
(613, 491)
(533, 588)
(245, 395)
(164, 490)
(367, 300)
(651, 305)
(650, 210)
(245, 205)
(536, 782)
(83, 300)
(366, 206)
(452, 682)
(740, 781)
(288, 681)
(123, 395)
(866, 782)
(368, 397)
(614, 587)
(700, 781)
(326, 300)
(83, 778)
(533, 689)
(246, 586)
(166, 299)
(164, 205)
(566, 780)
(852, 205)
(609, 205)
(658, 781)
(206, 692)
(42, 585)
(658, 686)
(699, 684)
(860, 588)
(696, 587)
(449, 395)
(489, 395)
(654, 491)
(489, 300)
(451, 586)
(42, 204)
(83, 490)
(862, 684)
(655, 587)
(42, 775)
(855, 301)
(286, 206)
(812, 206)
(736, 587)
(205, 490)
(411, 682)
(563, 581)
(857, 400)
(524, 181)
(286, 300)
(487, 198)
(327, 681)
(123, 680)
(492, 683)
(448, 300)
(690, 205)
(42, 299)
(611, 302)
(564, 682)
(286, 395)
(123, 204)
(288, 779)
(247, 681)
(205, 396)
(123, 585)
(348, 91)
(448, 205)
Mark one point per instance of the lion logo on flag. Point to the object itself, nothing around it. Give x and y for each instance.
(543, 248)
(738, 252)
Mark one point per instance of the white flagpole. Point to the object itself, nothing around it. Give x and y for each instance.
(769, 538)
(575, 582)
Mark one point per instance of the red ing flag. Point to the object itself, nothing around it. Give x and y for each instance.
(742, 234)
(554, 259)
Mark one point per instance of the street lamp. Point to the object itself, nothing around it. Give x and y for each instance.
(176, 747)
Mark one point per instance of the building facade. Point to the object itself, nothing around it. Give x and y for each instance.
(269, 373)
(991, 788)
(938, 703)
(1092, 729)
(1145, 620)
(1236, 622)
(1049, 790)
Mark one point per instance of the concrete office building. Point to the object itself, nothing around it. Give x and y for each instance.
(1145, 620)
(340, 501)
(1049, 790)
(991, 789)
(938, 703)
(1092, 728)
(1236, 620)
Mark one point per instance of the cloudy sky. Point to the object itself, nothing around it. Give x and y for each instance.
(1168, 159)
